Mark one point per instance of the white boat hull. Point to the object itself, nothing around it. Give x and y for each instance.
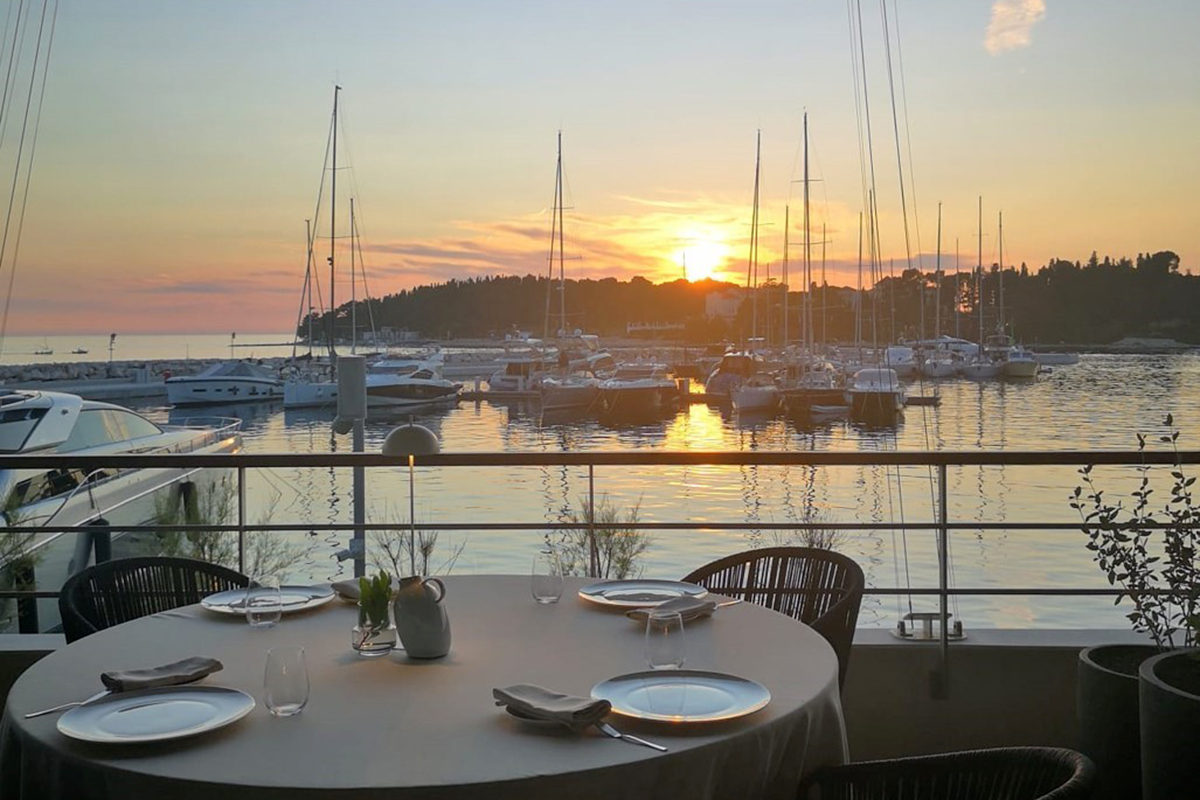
(1023, 368)
(981, 371)
(939, 369)
(188, 391)
(755, 398)
(299, 394)
(573, 395)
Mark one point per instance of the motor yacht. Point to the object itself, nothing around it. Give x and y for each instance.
(734, 369)
(759, 393)
(876, 393)
(579, 389)
(409, 381)
(525, 362)
(225, 382)
(639, 389)
(51, 423)
(901, 359)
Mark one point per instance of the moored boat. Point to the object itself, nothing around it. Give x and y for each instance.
(224, 382)
(876, 393)
(639, 390)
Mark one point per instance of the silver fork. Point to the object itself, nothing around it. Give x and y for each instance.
(65, 706)
(609, 730)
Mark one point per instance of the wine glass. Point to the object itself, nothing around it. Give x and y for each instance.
(664, 640)
(285, 681)
(546, 577)
(264, 602)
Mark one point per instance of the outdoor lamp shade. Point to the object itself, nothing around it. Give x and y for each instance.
(411, 440)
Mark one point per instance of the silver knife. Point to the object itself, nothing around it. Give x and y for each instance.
(609, 730)
(65, 706)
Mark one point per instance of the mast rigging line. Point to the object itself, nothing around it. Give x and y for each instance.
(32, 152)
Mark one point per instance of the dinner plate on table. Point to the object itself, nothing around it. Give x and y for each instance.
(293, 598)
(639, 593)
(682, 695)
(155, 715)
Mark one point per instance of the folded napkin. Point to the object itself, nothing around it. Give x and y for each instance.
(538, 703)
(185, 671)
(690, 608)
(347, 590)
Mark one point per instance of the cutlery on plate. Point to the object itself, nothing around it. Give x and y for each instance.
(65, 706)
(732, 602)
(609, 730)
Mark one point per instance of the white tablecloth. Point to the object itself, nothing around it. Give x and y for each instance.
(398, 729)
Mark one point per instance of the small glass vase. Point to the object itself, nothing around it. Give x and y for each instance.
(371, 637)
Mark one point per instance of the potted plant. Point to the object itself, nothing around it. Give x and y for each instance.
(375, 633)
(1150, 554)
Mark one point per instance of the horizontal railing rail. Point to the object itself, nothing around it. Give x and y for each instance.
(938, 464)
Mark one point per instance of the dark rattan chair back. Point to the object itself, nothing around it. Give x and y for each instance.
(1006, 773)
(128, 588)
(821, 588)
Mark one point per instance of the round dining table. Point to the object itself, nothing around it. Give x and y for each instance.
(399, 728)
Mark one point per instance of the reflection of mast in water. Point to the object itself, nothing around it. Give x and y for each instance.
(751, 495)
(333, 538)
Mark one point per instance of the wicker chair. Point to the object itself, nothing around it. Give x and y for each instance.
(818, 587)
(1006, 773)
(128, 588)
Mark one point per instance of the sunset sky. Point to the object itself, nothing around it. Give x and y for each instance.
(181, 144)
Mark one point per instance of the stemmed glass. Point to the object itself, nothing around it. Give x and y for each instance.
(264, 602)
(664, 640)
(285, 681)
(546, 577)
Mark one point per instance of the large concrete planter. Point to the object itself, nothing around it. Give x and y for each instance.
(1108, 717)
(1169, 687)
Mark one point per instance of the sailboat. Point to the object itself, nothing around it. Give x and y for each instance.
(981, 366)
(576, 384)
(811, 384)
(313, 382)
(45, 349)
(1017, 361)
(758, 392)
(938, 362)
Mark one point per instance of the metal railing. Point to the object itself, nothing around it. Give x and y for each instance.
(937, 462)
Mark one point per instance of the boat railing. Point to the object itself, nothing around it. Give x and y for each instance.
(937, 464)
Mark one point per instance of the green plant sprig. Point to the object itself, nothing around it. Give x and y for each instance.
(375, 595)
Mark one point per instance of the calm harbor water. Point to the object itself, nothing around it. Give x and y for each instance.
(138, 347)
(1097, 404)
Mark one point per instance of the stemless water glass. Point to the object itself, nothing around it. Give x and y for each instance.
(664, 640)
(546, 578)
(264, 603)
(285, 681)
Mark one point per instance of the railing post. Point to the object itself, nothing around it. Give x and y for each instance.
(943, 538)
(241, 517)
(593, 552)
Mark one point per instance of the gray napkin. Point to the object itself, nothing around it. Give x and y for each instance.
(347, 590)
(690, 608)
(538, 703)
(185, 671)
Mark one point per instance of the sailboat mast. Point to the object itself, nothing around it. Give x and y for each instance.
(859, 310)
(752, 259)
(957, 295)
(308, 282)
(979, 279)
(786, 231)
(824, 287)
(562, 275)
(1000, 313)
(353, 287)
(937, 277)
(807, 315)
(333, 234)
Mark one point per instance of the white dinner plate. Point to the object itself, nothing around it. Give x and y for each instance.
(682, 695)
(155, 715)
(294, 598)
(639, 593)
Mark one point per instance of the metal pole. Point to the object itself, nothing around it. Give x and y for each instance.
(358, 546)
(592, 521)
(241, 515)
(412, 518)
(943, 535)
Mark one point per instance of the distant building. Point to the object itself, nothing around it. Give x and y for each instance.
(723, 304)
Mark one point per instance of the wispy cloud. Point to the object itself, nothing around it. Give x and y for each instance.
(1011, 22)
